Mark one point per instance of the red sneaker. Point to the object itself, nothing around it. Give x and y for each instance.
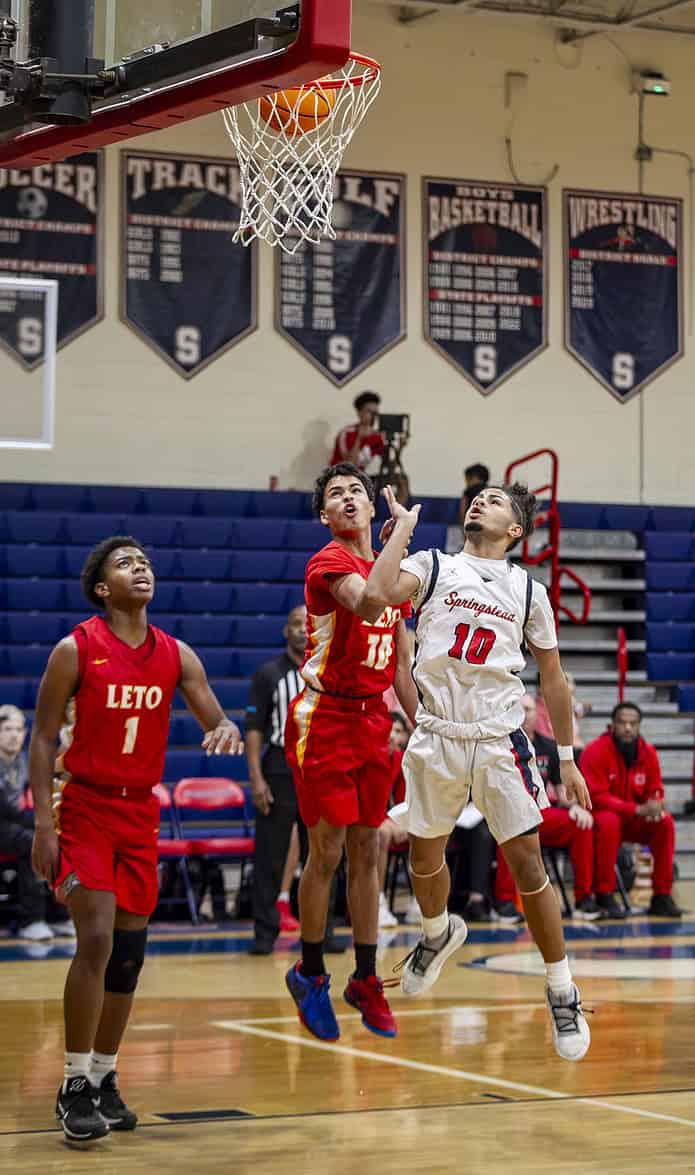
(288, 922)
(367, 995)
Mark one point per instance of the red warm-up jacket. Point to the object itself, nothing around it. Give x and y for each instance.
(615, 786)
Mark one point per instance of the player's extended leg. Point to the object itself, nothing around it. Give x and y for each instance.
(307, 981)
(571, 1034)
(93, 912)
(364, 990)
(443, 933)
(120, 982)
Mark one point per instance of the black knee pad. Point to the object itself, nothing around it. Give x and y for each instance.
(127, 958)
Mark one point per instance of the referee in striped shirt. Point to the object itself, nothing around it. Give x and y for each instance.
(273, 687)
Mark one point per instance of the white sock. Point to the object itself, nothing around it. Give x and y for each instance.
(436, 927)
(100, 1066)
(284, 896)
(76, 1065)
(559, 977)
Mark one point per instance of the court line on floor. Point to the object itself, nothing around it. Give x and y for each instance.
(439, 1011)
(443, 1071)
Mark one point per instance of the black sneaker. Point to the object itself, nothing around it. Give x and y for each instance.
(78, 1113)
(112, 1107)
(476, 912)
(507, 912)
(609, 905)
(662, 905)
(588, 910)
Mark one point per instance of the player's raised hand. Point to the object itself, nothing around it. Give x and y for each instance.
(398, 514)
(575, 788)
(225, 739)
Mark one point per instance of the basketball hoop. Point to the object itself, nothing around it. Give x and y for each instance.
(289, 146)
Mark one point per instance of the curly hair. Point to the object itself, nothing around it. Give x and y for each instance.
(342, 469)
(524, 505)
(93, 570)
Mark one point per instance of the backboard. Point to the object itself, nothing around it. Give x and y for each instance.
(137, 66)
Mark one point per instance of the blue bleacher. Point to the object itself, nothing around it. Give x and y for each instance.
(36, 595)
(259, 534)
(674, 545)
(182, 764)
(675, 606)
(672, 577)
(671, 666)
(675, 638)
(116, 499)
(89, 529)
(18, 691)
(45, 560)
(223, 503)
(205, 532)
(33, 527)
(43, 628)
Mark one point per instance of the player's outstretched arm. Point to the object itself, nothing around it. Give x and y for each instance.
(558, 699)
(222, 736)
(58, 684)
(386, 583)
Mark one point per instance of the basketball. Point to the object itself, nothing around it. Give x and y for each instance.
(297, 111)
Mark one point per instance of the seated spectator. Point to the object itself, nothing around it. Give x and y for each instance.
(16, 835)
(470, 853)
(476, 478)
(579, 711)
(623, 775)
(360, 443)
(564, 826)
(389, 833)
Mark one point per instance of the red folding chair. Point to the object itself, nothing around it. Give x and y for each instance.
(174, 847)
(207, 811)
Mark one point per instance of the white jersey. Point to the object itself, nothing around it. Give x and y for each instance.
(473, 618)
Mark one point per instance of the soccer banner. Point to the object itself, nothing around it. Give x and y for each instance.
(187, 289)
(485, 276)
(341, 302)
(623, 286)
(51, 228)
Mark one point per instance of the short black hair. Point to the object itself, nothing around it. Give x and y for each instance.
(342, 469)
(365, 398)
(396, 716)
(524, 505)
(93, 570)
(481, 472)
(625, 706)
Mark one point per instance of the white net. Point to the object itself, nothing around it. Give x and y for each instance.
(289, 146)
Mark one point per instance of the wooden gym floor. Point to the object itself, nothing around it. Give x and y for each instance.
(225, 1079)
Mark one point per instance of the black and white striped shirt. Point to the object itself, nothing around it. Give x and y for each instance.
(273, 687)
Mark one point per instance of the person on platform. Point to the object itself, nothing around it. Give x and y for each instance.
(95, 841)
(360, 443)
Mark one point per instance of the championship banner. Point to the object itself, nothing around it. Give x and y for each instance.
(187, 289)
(342, 302)
(623, 286)
(485, 276)
(51, 227)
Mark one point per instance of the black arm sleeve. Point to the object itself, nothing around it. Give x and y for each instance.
(260, 701)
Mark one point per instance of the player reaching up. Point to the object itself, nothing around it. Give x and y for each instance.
(476, 614)
(337, 740)
(96, 844)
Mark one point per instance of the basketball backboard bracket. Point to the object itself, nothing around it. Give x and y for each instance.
(163, 85)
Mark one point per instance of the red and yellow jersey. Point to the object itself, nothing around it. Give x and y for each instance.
(345, 655)
(122, 706)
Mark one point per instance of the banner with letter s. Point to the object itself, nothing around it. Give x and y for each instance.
(623, 286)
(485, 276)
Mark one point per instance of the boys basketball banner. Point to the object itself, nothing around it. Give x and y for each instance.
(51, 227)
(485, 276)
(342, 302)
(623, 292)
(187, 289)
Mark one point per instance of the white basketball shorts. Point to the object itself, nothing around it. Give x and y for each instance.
(499, 775)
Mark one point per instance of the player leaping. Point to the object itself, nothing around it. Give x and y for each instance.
(97, 844)
(476, 614)
(337, 741)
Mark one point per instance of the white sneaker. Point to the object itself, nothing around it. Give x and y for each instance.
(386, 918)
(35, 932)
(413, 915)
(422, 966)
(571, 1035)
(64, 929)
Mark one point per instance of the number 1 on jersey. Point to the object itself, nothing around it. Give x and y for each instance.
(131, 733)
(479, 646)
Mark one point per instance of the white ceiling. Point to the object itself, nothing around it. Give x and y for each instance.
(577, 18)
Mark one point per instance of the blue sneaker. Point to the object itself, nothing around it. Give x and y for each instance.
(311, 995)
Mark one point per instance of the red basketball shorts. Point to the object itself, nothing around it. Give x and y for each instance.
(108, 841)
(338, 751)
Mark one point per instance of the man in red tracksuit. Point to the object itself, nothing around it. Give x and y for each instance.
(623, 775)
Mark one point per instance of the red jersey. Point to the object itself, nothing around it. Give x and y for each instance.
(122, 707)
(345, 655)
(372, 446)
(615, 786)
